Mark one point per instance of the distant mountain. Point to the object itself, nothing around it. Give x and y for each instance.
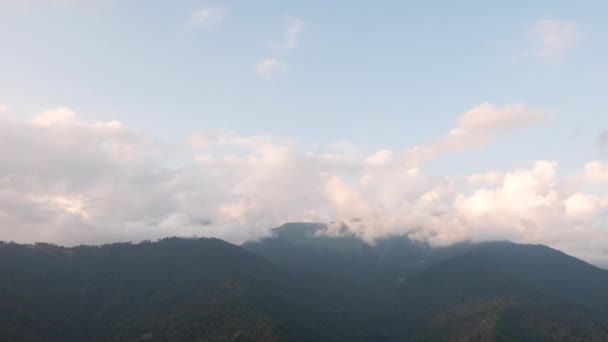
(299, 285)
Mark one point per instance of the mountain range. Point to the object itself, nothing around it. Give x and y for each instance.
(299, 284)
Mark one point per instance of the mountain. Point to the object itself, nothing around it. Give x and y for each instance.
(511, 318)
(485, 292)
(360, 275)
(517, 292)
(299, 285)
(304, 248)
(171, 290)
(496, 268)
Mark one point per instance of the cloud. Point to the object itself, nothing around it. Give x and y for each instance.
(488, 118)
(291, 35)
(596, 172)
(489, 178)
(206, 17)
(3, 111)
(70, 181)
(475, 128)
(553, 39)
(379, 158)
(53, 117)
(267, 68)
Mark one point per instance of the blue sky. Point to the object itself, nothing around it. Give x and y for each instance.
(383, 76)
(390, 75)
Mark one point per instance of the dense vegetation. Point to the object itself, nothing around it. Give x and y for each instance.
(299, 286)
(171, 290)
(406, 290)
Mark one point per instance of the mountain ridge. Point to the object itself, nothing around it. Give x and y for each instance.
(298, 286)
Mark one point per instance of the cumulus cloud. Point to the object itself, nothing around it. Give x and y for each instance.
(596, 172)
(267, 68)
(52, 117)
(553, 39)
(488, 178)
(206, 17)
(70, 181)
(379, 158)
(475, 128)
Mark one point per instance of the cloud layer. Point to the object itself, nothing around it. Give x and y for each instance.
(70, 181)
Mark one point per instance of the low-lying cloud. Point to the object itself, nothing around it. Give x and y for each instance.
(69, 181)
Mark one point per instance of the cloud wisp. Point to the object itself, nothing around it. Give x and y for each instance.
(553, 39)
(475, 128)
(292, 34)
(206, 18)
(70, 181)
(266, 68)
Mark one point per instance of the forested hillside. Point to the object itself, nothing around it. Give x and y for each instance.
(299, 285)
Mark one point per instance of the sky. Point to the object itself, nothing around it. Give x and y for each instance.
(450, 122)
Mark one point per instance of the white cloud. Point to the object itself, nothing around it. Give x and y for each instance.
(596, 172)
(380, 157)
(292, 34)
(527, 205)
(475, 128)
(70, 181)
(580, 205)
(489, 178)
(267, 68)
(487, 118)
(553, 39)
(206, 17)
(518, 192)
(52, 117)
